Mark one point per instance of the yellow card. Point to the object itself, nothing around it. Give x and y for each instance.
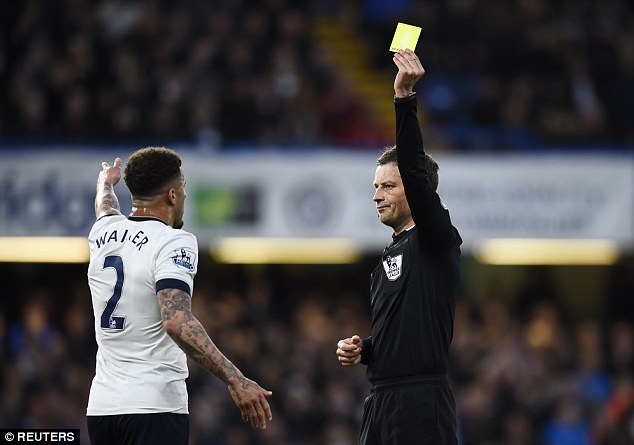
(406, 36)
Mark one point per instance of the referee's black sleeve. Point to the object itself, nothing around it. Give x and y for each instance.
(428, 212)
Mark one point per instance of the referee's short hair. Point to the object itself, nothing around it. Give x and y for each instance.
(431, 167)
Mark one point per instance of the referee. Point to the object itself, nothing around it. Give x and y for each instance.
(413, 291)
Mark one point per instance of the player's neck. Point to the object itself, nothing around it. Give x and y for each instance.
(144, 209)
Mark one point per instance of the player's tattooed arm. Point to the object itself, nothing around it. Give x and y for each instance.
(106, 201)
(191, 337)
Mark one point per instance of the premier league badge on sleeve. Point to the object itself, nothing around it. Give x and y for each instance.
(184, 258)
(393, 266)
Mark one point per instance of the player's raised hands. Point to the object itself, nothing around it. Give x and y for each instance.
(110, 174)
(106, 201)
(410, 70)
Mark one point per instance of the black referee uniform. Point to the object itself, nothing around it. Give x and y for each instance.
(413, 301)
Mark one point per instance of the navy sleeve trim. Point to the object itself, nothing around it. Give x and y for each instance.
(171, 283)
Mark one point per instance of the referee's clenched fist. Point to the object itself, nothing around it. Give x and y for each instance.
(349, 351)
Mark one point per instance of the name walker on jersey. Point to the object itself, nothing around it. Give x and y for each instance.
(138, 239)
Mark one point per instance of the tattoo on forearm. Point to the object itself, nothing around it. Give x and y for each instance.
(106, 201)
(191, 337)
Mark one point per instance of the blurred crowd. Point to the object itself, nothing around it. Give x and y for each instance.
(501, 74)
(213, 73)
(522, 370)
(518, 73)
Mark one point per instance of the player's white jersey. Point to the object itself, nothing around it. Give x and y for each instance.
(139, 368)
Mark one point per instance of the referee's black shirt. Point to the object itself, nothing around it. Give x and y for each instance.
(413, 288)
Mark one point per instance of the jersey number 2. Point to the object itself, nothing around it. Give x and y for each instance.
(109, 321)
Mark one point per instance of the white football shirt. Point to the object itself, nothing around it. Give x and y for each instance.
(139, 368)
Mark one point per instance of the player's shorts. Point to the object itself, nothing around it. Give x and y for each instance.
(417, 410)
(139, 429)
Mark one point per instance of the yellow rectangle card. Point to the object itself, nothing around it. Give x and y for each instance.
(406, 36)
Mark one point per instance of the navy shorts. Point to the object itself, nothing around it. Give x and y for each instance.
(139, 429)
(410, 411)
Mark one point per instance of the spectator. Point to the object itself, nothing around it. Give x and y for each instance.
(528, 73)
(506, 390)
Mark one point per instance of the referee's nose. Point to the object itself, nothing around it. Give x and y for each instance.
(378, 195)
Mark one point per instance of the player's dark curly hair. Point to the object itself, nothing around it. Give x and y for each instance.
(431, 167)
(149, 170)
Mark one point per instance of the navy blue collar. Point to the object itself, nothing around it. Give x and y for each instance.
(145, 218)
